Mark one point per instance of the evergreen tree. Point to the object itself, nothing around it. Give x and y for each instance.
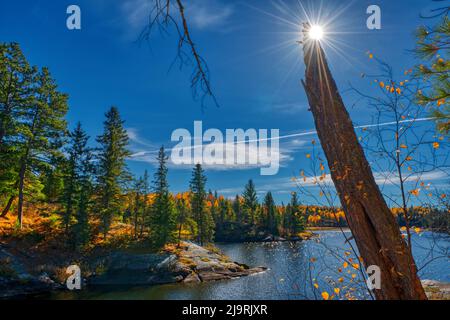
(85, 170)
(78, 172)
(112, 169)
(270, 214)
(17, 90)
(182, 215)
(39, 139)
(433, 48)
(250, 202)
(145, 208)
(205, 222)
(163, 216)
(287, 220)
(138, 205)
(238, 209)
(296, 219)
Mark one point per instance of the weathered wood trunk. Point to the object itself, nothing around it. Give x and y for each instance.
(374, 228)
(5, 210)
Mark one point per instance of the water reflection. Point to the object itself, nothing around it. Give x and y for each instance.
(300, 270)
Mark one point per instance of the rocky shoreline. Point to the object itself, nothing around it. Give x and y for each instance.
(188, 263)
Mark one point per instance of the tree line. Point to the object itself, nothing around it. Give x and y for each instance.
(91, 188)
(41, 161)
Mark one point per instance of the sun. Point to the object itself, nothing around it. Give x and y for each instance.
(316, 32)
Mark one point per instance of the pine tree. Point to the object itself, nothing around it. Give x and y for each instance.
(112, 168)
(85, 171)
(78, 185)
(40, 134)
(138, 205)
(296, 219)
(271, 217)
(145, 207)
(433, 48)
(17, 91)
(287, 220)
(205, 222)
(163, 216)
(237, 209)
(182, 215)
(250, 202)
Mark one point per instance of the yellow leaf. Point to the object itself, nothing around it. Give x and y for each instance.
(403, 228)
(316, 286)
(308, 156)
(353, 276)
(382, 84)
(417, 230)
(345, 264)
(337, 290)
(325, 295)
(403, 146)
(341, 279)
(436, 145)
(355, 265)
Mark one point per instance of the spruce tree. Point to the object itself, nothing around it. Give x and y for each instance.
(85, 186)
(40, 134)
(78, 185)
(112, 168)
(237, 208)
(297, 220)
(138, 205)
(203, 218)
(250, 202)
(271, 216)
(163, 215)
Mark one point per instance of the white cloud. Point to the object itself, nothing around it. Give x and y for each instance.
(136, 12)
(203, 14)
(144, 151)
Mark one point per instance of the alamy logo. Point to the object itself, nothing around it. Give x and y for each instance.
(373, 277)
(239, 148)
(73, 282)
(374, 20)
(73, 21)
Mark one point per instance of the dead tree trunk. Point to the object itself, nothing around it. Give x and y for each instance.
(374, 228)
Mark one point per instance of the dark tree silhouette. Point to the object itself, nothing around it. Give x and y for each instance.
(171, 13)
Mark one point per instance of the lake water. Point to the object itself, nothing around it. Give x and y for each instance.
(294, 268)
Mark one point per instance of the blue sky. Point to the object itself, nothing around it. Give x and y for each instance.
(256, 68)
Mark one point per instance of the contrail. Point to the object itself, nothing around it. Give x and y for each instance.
(384, 124)
(294, 135)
